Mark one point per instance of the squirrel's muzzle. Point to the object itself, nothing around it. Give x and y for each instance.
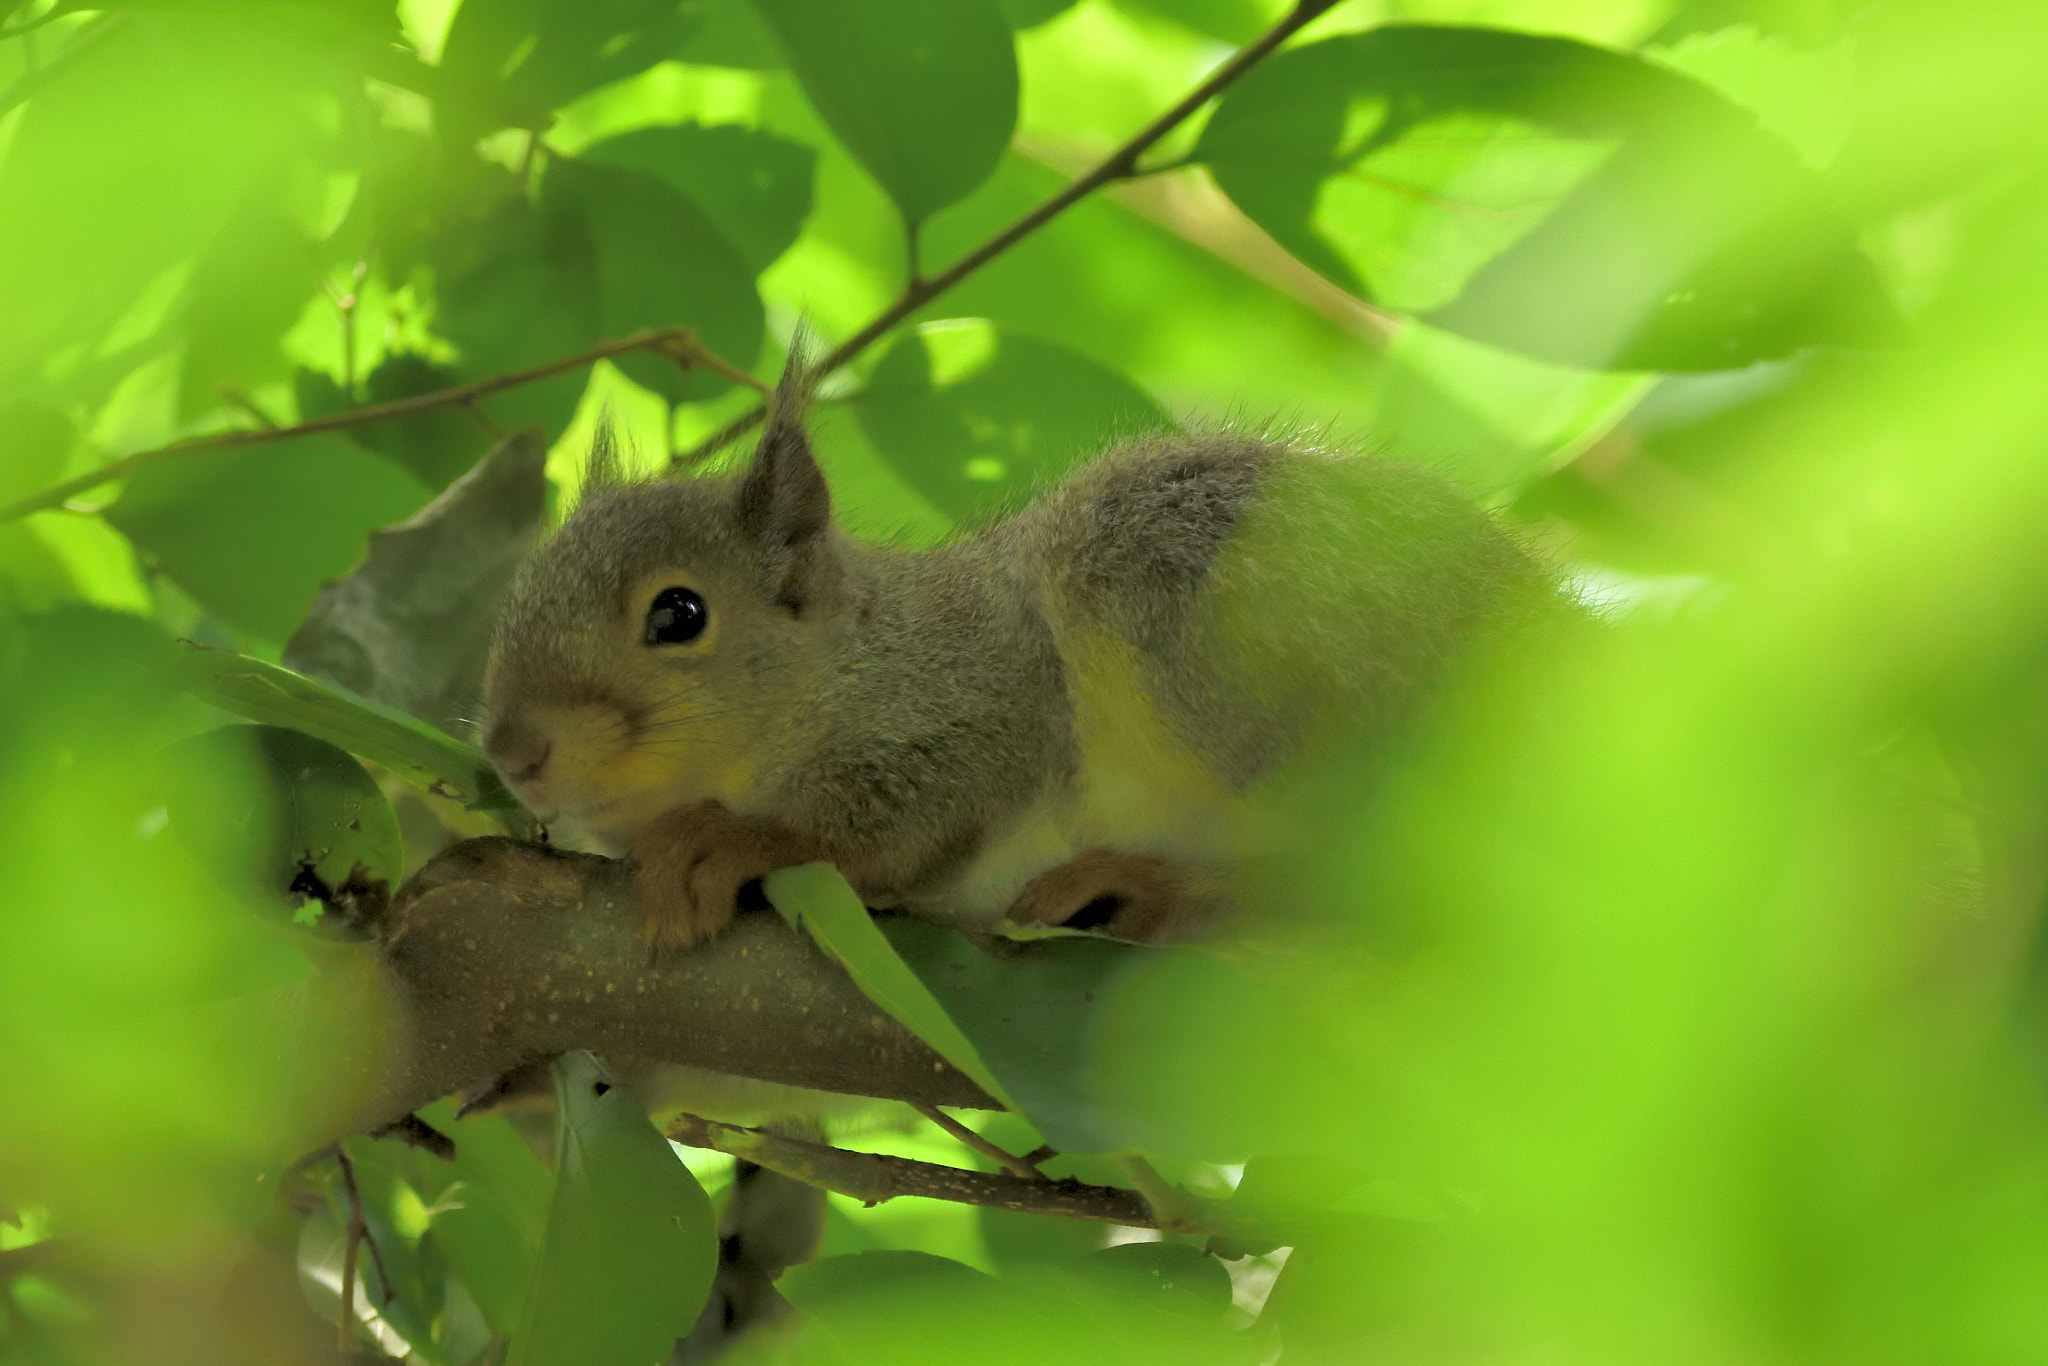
(518, 748)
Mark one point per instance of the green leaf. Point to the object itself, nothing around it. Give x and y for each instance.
(264, 806)
(911, 1308)
(34, 441)
(1023, 14)
(658, 261)
(435, 446)
(517, 287)
(244, 295)
(1173, 1276)
(1030, 1010)
(491, 1213)
(631, 1244)
(536, 55)
(1575, 204)
(922, 92)
(428, 758)
(975, 418)
(253, 533)
(1236, 22)
(816, 899)
(755, 187)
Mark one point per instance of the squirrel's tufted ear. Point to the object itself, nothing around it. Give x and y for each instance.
(605, 468)
(783, 498)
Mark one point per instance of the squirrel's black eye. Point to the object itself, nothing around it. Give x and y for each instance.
(677, 616)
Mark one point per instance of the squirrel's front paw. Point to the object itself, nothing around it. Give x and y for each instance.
(1132, 896)
(691, 865)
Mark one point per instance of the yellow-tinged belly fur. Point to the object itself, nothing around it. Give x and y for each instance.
(1138, 790)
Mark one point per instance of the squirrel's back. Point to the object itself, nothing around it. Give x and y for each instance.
(1221, 603)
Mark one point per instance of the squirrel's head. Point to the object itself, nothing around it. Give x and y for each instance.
(644, 653)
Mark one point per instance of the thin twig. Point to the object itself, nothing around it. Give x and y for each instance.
(995, 1152)
(874, 1177)
(1120, 164)
(351, 1240)
(678, 343)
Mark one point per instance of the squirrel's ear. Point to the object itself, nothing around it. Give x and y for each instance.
(604, 468)
(783, 498)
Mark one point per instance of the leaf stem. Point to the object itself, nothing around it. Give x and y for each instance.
(1121, 164)
(678, 343)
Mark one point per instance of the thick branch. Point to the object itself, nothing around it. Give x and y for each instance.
(499, 953)
(1120, 164)
(678, 343)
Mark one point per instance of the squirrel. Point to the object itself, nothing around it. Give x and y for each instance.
(1058, 717)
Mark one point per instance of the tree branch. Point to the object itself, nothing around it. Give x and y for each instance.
(678, 343)
(1120, 164)
(874, 1177)
(497, 954)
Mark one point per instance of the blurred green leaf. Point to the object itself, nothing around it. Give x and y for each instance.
(631, 1244)
(1174, 1276)
(265, 807)
(129, 160)
(246, 291)
(34, 442)
(923, 92)
(1236, 22)
(659, 261)
(1024, 14)
(253, 533)
(912, 1308)
(816, 899)
(755, 187)
(533, 55)
(421, 754)
(490, 1213)
(976, 418)
(1575, 204)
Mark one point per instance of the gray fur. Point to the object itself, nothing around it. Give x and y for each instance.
(933, 706)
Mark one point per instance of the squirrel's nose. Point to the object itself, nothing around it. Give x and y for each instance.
(519, 750)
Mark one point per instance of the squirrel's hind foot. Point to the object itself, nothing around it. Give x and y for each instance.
(692, 867)
(1138, 897)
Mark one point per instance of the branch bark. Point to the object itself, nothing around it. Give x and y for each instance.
(1120, 164)
(678, 343)
(498, 954)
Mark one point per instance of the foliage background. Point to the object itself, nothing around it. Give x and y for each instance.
(1677, 1003)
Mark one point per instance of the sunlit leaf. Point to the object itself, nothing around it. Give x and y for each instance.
(975, 418)
(630, 1245)
(923, 92)
(816, 899)
(423, 755)
(1569, 202)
